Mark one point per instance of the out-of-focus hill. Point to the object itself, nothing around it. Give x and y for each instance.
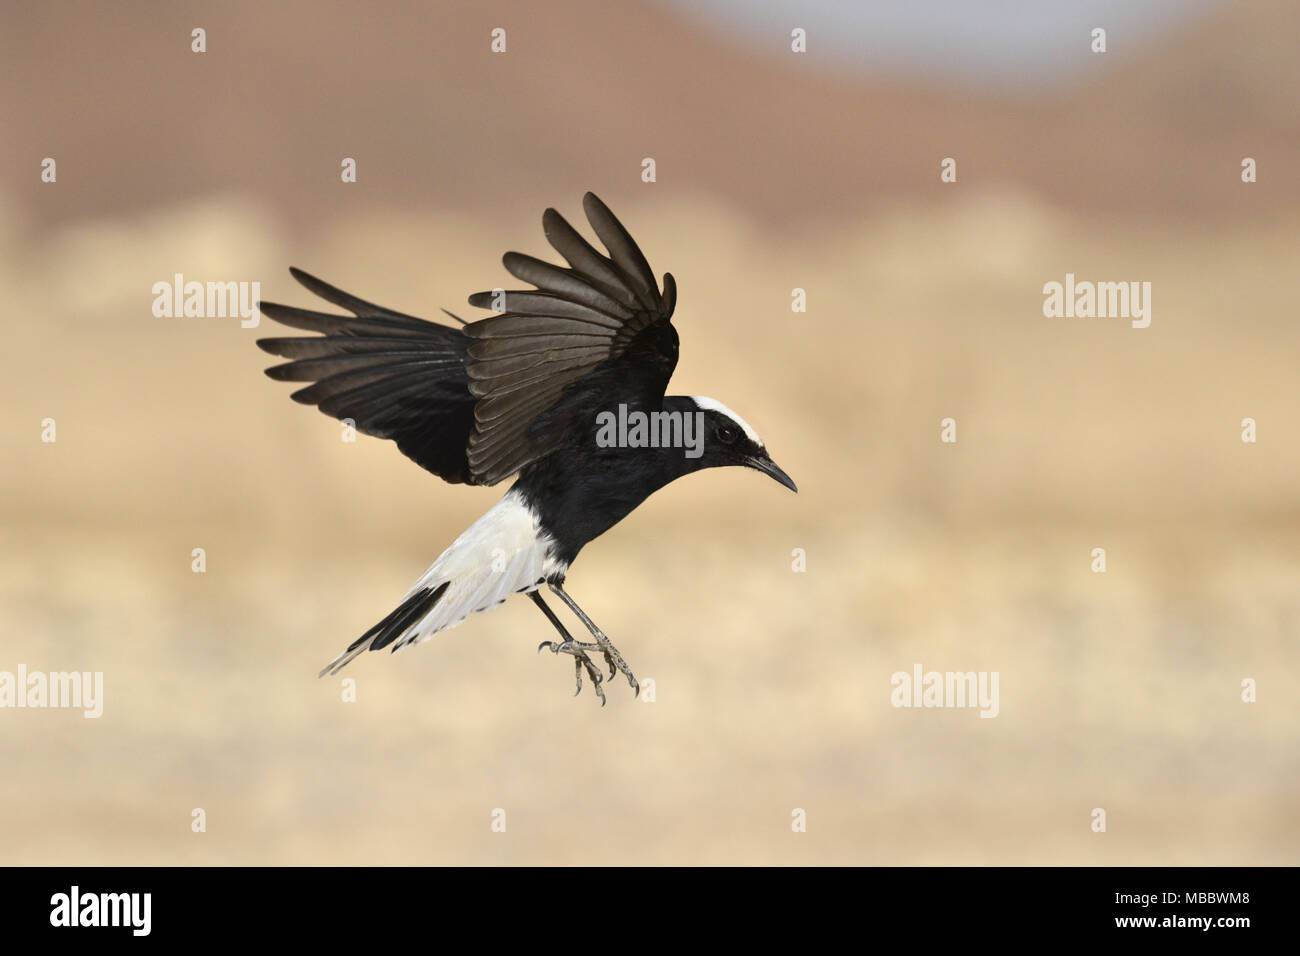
(586, 90)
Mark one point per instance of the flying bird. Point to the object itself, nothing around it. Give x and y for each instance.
(544, 388)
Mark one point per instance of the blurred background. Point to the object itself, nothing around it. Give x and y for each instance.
(775, 171)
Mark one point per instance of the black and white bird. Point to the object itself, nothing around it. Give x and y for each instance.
(545, 387)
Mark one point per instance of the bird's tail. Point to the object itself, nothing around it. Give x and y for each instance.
(411, 610)
(501, 554)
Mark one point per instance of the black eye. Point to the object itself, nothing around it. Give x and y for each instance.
(726, 434)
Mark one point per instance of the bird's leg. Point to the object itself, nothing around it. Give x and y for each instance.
(612, 657)
(570, 646)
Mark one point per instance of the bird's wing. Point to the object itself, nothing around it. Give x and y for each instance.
(393, 375)
(598, 331)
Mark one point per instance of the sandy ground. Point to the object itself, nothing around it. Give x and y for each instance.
(772, 688)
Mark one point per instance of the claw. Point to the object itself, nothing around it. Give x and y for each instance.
(595, 679)
(581, 662)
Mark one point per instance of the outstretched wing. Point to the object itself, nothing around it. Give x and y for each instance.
(394, 375)
(587, 337)
(478, 404)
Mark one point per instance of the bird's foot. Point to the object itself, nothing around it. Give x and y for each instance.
(581, 662)
(617, 665)
(605, 647)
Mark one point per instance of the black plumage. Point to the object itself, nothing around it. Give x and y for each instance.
(517, 392)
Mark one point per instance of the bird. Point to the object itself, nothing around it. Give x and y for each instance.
(562, 385)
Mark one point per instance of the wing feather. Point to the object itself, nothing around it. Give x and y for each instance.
(392, 375)
(564, 284)
(529, 363)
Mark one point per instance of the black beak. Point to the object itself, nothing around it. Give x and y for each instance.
(768, 467)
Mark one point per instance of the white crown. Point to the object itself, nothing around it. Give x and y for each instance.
(712, 404)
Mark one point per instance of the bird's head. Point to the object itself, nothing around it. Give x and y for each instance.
(729, 440)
